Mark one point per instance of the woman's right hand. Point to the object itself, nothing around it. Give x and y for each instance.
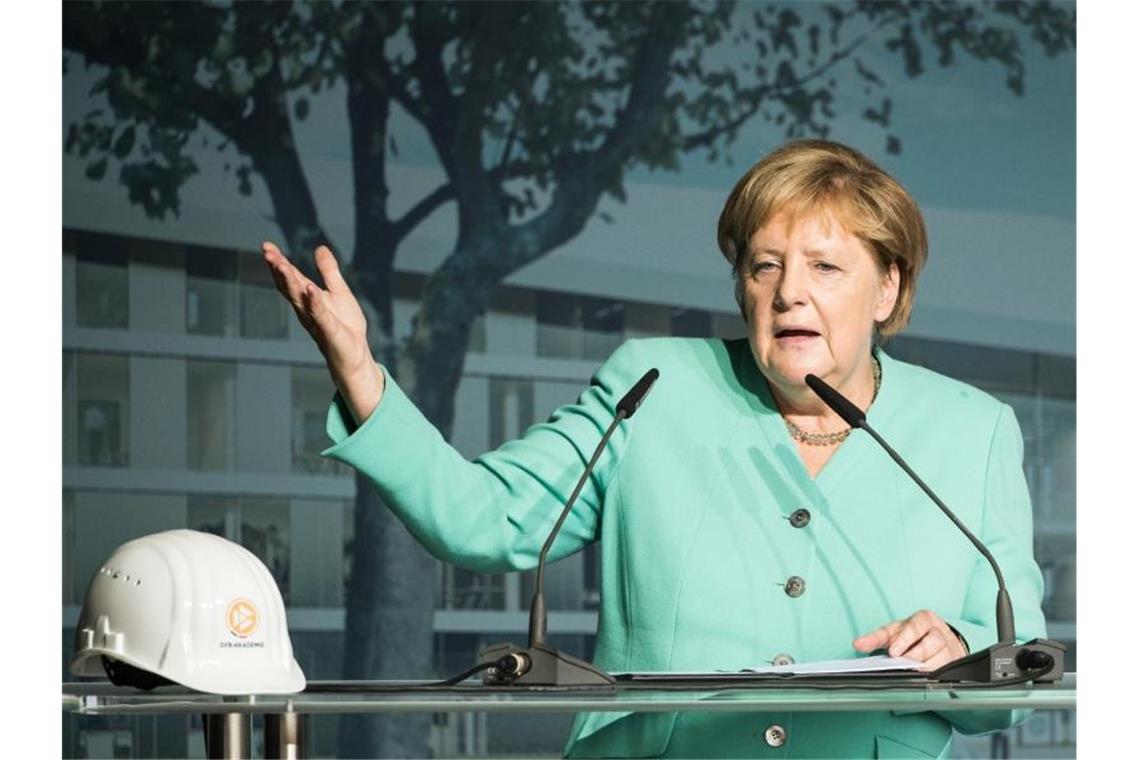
(336, 323)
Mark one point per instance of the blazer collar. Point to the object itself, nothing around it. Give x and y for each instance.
(772, 427)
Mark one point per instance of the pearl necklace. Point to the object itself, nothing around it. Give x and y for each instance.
(830, 439)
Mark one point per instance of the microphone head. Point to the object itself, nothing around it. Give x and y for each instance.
(850, 413)
(632, 400)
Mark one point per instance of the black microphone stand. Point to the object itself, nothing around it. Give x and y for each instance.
(539, 664)
(1004, 660)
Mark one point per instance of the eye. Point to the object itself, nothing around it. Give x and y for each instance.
(761, 267)
(824, 266)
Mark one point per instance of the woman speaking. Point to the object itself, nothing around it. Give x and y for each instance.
(740, 521)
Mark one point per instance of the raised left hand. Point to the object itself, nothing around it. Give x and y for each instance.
(924, 636)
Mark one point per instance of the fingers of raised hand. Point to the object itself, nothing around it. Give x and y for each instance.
(289, 279)
(330, 271)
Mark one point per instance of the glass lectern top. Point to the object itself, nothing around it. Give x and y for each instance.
(101, 698)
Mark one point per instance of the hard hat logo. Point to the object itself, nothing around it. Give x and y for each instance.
(241, 618)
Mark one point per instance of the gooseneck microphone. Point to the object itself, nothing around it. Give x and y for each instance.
(1003, 660)
(539, 664)
(855, 417)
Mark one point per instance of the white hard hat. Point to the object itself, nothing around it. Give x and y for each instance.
(187, 607)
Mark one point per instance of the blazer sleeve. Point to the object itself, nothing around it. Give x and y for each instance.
(494, 513)
(1007, 531)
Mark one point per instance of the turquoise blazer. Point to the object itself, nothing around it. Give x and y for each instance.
(692, 503)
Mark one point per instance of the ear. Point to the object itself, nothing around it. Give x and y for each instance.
(888, 294)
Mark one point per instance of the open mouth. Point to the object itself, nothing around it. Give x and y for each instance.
(797, 333)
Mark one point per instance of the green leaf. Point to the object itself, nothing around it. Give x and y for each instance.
(97, 169)
(125, 142)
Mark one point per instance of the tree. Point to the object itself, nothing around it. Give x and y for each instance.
(531, 136)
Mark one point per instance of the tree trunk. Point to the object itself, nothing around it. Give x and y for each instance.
(388, 626)
(389, 631)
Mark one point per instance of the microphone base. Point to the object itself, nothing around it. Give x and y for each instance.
(1003, 662)
(545, 667)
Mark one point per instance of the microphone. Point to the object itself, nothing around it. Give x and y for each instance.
(1005, 659)
(540, 664)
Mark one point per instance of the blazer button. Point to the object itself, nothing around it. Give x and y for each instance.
(800, 518)
(775, 735)
(784, 659)
(795, 586)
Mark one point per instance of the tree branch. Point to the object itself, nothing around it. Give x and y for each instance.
(756, 96)
(422, 209)
(437, 108)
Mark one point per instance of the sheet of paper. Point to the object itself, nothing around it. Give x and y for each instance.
(855, 665)
(833, 667)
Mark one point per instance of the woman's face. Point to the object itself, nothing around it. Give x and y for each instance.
(812, 293)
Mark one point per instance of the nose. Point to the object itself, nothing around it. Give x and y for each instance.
(791, 288)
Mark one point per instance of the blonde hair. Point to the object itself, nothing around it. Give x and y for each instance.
(805, 177)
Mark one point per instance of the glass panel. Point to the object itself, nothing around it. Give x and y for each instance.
(102, 390)
(691, 323)
(71, 594)
(70, 406)
(101, 282)
(1058, 460)
(512, 408)
(466, 590)
(212, 514)
(558, 342)
(644, 320)
(578, 327)
(559, 328)
(265, 532)
(210, 415)
(104, 520)
(312, 390)
(1057, 556)
(729, 326)
(316, 552)
(591, 576)
(349, 535)
(264, 313)
(211, 291)
(477, 343)
(603, 326)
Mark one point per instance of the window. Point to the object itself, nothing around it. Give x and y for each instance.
(265, 532)
(264, 313)
(559, 326)
(477, 341)
(578, 327)
(101, 289)
(306, 556)
(211, 291)
(259, 524)
(691, 323)
(512, 408)
(96, 522)
(312, 390)
(210, 415)
(317, 552)
(101, 413)
(603, 325)
(230, 294)
(467, 590)
(592, 576)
